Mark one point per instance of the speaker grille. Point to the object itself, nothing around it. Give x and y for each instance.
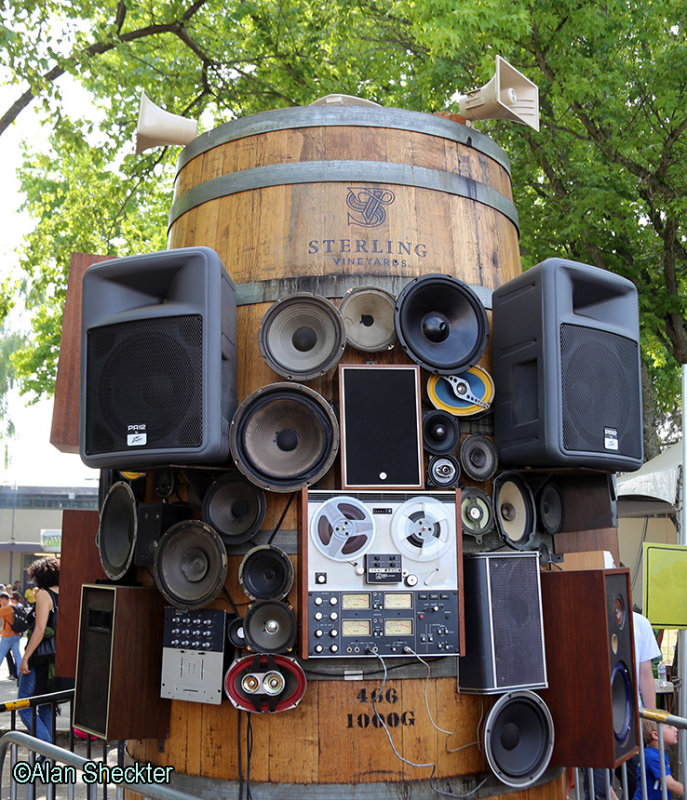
(600, 389)
(145, 372)
(518, 639)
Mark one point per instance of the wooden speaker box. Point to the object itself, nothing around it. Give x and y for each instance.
(119, 663)
(592, 692)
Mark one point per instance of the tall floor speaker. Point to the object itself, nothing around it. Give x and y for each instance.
(504, 634)
(119, 662)
(158, 361)
(592, 694)
(566, 368)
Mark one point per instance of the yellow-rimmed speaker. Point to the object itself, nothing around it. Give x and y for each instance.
(368, 315)
(158, 127)
(508, 95)
(464, 395)
(302, 336)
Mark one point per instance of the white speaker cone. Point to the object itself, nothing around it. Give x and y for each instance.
(368, 315)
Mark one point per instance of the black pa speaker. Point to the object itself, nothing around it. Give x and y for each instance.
(441, 324)
(519, 738)
(588, 615)
(368, 315)
(158, 363)
(234, 507)
(381, 427)
(284, 436)
(266, 573)
(190, 564)
(504, 648)
(302, 336)
(567, 369)
(265, 683)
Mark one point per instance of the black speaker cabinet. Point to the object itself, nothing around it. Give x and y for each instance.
(592, 692)
(381, 427)
(566, 368)
(158, 363)
(504, 633)
(119, 662)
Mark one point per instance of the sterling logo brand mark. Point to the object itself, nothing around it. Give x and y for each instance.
(136, 435)
(368, 206)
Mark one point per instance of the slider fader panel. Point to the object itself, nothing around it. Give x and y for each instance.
(383, 574)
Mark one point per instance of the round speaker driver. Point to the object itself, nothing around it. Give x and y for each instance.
(441, 324)
(551, 508)
(443, 471)
(117, 531)
(284, 436)
(190, 564)
(479, 458)
(266, 573)
(440, 432)
(368, 315)
(235, 508)
(472, 394)
(514, 509)
(519, 738)
(302, 336)
(270, 627)
(476, 513)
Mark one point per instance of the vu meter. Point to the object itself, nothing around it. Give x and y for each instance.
(381, 573)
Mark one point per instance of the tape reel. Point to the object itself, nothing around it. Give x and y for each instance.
(476, 513)
(342, 528)
(465, 394)
(421, 528)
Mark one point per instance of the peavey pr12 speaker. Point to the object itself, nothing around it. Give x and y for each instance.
(381, 427)
(158, 363)
(118, 663)
(504, 646)
(588, 621)
(566, 368)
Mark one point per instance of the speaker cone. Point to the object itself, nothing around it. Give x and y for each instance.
(443, 471)
(234, 507)
(476, 513)
(117, 532)
(551, 508)
(368, 315)
(302, 336)
(516, 515)
(235, 633)
(478, 458)
(465, 394)
(270, 627)
(440, 432)
(441, 324)
(519, 738)
(284, 436)
(622, 702)
(190, 564)
(266, 573)
(265, 684)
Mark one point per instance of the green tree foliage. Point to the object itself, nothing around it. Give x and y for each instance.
(603, 182)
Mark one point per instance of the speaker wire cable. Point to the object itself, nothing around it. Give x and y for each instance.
(281, 519)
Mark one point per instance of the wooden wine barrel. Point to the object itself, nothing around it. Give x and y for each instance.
(323, 199)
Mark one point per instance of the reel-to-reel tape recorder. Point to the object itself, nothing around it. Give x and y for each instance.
(380, 574)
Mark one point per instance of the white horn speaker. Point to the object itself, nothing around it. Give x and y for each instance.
(158, 127)
(508, 95)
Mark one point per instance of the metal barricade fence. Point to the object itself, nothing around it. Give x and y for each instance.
(587, 781)
(63, 773)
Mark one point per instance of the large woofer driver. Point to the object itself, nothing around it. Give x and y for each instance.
(117, 532)
(190, 564)
(441, 324)
(284, 437)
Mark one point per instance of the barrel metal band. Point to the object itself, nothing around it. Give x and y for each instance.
(342, 172)
(349, 116)
(269, 291)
